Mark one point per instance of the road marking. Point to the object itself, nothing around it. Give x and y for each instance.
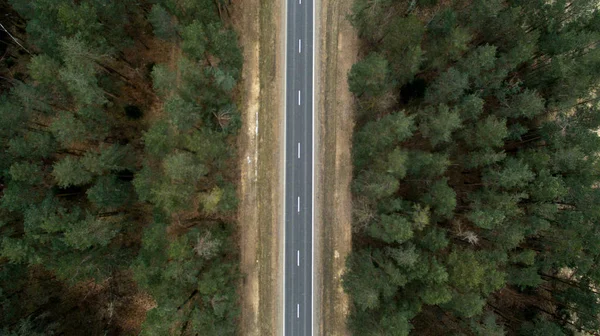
(298, 150)
(298, 258)
(312, 216)
(298, 203)
(312, 256)
(285, 205)
(300, 46)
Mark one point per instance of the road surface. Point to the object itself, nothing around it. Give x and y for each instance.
(299, 214)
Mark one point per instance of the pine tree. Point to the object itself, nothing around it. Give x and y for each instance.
(163, 23)
(194, 38)
(69, 171)
(438, 124)
(370, 76)
(108, 192)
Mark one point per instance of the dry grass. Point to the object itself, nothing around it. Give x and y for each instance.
(338, 46)
(257, 23)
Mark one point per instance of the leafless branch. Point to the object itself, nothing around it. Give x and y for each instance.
(14, 39)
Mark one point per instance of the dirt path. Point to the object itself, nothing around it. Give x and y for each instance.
(338, 51)
(258, 25)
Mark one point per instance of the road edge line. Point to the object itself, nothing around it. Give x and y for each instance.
(285, 37)
(312, 284)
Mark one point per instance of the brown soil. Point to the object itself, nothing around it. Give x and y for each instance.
(338, 46)
(258, 25)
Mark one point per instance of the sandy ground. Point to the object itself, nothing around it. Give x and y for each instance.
(258, 24)
(338, 46)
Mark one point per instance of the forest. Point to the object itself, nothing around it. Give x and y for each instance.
(476, 168)
(118, 123)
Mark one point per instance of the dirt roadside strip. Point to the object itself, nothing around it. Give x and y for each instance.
(338, 49)
(258, 24)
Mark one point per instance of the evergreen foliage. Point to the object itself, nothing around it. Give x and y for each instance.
(477, 210)
(90, 195)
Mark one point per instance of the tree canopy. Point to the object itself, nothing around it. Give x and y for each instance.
(109, 213)
(477, 185)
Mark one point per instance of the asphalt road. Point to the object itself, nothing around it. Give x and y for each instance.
(299, 113)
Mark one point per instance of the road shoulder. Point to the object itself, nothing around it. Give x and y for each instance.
(338, 49)
(258, 24)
